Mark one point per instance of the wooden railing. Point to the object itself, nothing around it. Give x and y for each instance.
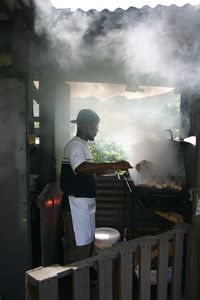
(150, 267)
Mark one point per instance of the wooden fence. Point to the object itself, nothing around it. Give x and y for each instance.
(150, 267)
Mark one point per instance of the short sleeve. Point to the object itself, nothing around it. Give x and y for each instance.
(75, 154)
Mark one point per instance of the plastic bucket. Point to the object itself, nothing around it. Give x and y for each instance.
(106, 237)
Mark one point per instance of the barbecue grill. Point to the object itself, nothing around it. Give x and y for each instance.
(166, 205)
(164, 199)
(169, 195)
(123, 202)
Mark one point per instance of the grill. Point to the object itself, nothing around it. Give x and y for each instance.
(165, 199)
(122, 205)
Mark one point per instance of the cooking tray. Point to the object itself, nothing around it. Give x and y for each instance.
(165, 199)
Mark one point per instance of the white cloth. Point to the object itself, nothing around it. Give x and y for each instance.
(82, 209)
(83, 218)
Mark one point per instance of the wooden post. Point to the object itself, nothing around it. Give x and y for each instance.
(194, 291)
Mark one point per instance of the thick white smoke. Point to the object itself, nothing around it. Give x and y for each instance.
(160, 43)
(137, 125)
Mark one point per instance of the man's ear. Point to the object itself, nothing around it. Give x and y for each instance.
(81, 125)
(84, 125)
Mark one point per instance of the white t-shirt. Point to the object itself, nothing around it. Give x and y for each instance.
(82, 209)
(76, 152)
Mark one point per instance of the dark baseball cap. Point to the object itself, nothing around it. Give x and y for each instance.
(86, 116)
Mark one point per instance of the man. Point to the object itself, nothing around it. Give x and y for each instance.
(78, 183)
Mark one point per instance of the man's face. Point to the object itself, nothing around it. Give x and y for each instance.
(91, 131)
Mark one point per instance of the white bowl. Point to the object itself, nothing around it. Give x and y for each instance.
(106, 237)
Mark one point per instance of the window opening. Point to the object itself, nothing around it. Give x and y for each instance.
(129, 116)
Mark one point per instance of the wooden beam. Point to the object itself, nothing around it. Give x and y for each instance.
(26, 16)
(20, 2)
(6, 9)
(31, 3)
(171, 216)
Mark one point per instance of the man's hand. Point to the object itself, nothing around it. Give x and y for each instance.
(121, 166)
(145, 167)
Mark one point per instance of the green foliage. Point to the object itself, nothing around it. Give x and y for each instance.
(103, 151)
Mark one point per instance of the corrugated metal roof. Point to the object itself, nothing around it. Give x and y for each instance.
(115, 4)
(143, 8)
(119, 18)
(161, 42)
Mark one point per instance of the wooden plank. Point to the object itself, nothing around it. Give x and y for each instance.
(38, 276)
(48, 289)
(162, 269)
(105, 279)
(31, 290)
(126, 275)
(177, 266)
(144, 274)
(81, 283)
(172, 216)
(194, 286)
(188, 255)
(6, 9)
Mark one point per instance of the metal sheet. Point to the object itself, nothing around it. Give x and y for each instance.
(46, 91)
(118, 208)
(15, 250)
(49, 225)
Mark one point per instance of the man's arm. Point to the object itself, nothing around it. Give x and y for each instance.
(89, 168)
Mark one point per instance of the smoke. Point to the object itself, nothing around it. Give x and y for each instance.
(142, 135)
(64, 34)
(137, 125)
(159, 44)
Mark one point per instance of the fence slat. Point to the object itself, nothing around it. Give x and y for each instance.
(126, 275)
(163, 269)
(144, 274)
(43, 282)
(105, 279)
(177, 266)
(48, 289)
(81, 283)
(188, 262)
